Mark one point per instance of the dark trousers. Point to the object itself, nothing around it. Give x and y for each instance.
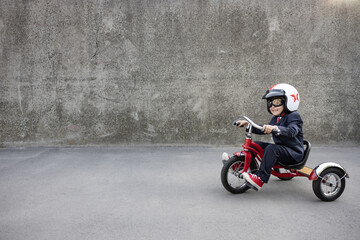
(273, 153)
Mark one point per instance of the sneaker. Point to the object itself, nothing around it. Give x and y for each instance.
(225, 156)
(253, 180)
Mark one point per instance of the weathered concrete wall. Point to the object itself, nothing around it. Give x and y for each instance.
(177, 72)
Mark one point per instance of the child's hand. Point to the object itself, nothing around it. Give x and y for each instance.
(269, 128)
(242, 123)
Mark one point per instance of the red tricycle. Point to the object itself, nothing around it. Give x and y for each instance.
(328, 178)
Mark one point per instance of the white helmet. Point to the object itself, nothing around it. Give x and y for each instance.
(292, 98)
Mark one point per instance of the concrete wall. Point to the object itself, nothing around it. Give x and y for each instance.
(174, 72)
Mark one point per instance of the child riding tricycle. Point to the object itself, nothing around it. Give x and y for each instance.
(285, 158)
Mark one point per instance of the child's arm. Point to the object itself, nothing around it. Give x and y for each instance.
(293, 127)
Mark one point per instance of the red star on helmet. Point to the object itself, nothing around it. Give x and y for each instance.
(295, 96)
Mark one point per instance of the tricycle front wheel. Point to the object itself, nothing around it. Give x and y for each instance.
(230, 174)
(330, 185)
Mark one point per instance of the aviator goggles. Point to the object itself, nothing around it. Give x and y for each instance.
(277, 102)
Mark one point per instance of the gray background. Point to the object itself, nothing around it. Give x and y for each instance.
(173, 72)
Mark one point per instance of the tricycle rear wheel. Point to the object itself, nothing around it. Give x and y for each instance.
(330, 185)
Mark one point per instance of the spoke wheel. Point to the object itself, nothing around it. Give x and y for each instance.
(330, 185)
(230, 175)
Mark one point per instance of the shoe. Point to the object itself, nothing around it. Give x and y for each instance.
(253, 180)
(225, 157)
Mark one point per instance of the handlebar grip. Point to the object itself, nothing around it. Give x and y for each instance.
(275, 131)
(235, 123)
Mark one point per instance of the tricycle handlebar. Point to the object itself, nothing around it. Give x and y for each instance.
(254, 124)
(276, 132)
(250, 121)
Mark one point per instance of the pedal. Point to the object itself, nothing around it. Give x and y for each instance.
(250, 186)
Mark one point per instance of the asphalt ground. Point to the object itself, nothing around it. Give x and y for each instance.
(147, 192)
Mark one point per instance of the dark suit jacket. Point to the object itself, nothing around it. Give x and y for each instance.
(291, 135)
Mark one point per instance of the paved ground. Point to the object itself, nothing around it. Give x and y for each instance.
(163, 193)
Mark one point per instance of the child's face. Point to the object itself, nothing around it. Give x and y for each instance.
(276, 111)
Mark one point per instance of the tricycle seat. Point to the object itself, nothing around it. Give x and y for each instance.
(300, 165)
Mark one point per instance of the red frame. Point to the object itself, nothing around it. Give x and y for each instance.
(253, 149)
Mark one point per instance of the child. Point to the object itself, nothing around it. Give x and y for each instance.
(282, 102)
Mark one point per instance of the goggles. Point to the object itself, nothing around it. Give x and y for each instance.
(277, 102)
